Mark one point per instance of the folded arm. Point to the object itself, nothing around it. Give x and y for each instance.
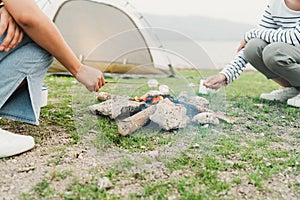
(44, 32)
(289, 36)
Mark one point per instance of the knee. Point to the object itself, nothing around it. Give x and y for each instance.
(275, 56)
(254, 49)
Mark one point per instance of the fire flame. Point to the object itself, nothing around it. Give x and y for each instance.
(151, 99)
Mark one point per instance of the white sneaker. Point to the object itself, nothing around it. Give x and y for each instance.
(282, 94)
(295, 101)
(13, 144)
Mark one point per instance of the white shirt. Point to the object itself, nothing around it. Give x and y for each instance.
(278, 24)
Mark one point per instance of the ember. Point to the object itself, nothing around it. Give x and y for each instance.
(149, 99)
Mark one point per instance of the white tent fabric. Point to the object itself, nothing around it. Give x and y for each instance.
(108, 34)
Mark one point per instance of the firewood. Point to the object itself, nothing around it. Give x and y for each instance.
(104, 96)
(133, 123)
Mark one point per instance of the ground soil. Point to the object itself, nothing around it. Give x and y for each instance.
(54, 155)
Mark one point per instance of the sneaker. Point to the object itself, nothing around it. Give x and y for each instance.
(282, 94)
(13, 144)
(295, 101)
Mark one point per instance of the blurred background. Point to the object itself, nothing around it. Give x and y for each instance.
(217, 26)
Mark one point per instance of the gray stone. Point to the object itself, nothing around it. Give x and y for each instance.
(104, 183)
(116, 108)
(169, 115)
(195, 103)
(153, 93)
(206, 118)
(104, 96)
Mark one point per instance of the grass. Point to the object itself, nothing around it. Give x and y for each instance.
(249, 155)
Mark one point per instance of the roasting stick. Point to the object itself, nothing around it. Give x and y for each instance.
(121, 82)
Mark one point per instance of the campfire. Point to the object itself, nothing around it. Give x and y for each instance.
(150, 99)
(167, 111)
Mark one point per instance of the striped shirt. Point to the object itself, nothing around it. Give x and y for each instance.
(278, 24)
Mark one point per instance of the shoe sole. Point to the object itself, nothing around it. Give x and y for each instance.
(20, 147)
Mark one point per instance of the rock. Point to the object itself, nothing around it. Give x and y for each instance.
(183, 96)
(116, 107)
(104, 183)
(170, 116)
(197, 103)
(196, 146)
(153, 93)
(223, 118)
(206, 118)
(153, 154)
(104, 96)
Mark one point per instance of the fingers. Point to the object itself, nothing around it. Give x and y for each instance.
(96, 88)
(92, 78)
(212, 85)
(16, 39)
(14, 34)
(3, 25)
(215, 82)
(209, 82)
(215, 86)
(101, 83)
(10, 32)
(239, 48)
(242, 45)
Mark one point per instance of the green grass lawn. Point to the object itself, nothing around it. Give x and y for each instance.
(255, 158)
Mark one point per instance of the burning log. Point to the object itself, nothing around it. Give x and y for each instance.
(150, 99)
(133, 123)
(153, 97)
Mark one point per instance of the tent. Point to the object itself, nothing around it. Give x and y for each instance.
(109, 35)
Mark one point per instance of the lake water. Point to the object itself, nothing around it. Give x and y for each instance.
(220, 52)
(202, 54)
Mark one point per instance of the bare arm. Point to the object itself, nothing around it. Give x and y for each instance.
(43, 31)
(233, 70)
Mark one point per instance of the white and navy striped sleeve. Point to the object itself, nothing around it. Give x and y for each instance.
(267, 21)
(289, 36)
(234, 69)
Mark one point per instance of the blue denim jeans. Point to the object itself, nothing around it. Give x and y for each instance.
(27, 62)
